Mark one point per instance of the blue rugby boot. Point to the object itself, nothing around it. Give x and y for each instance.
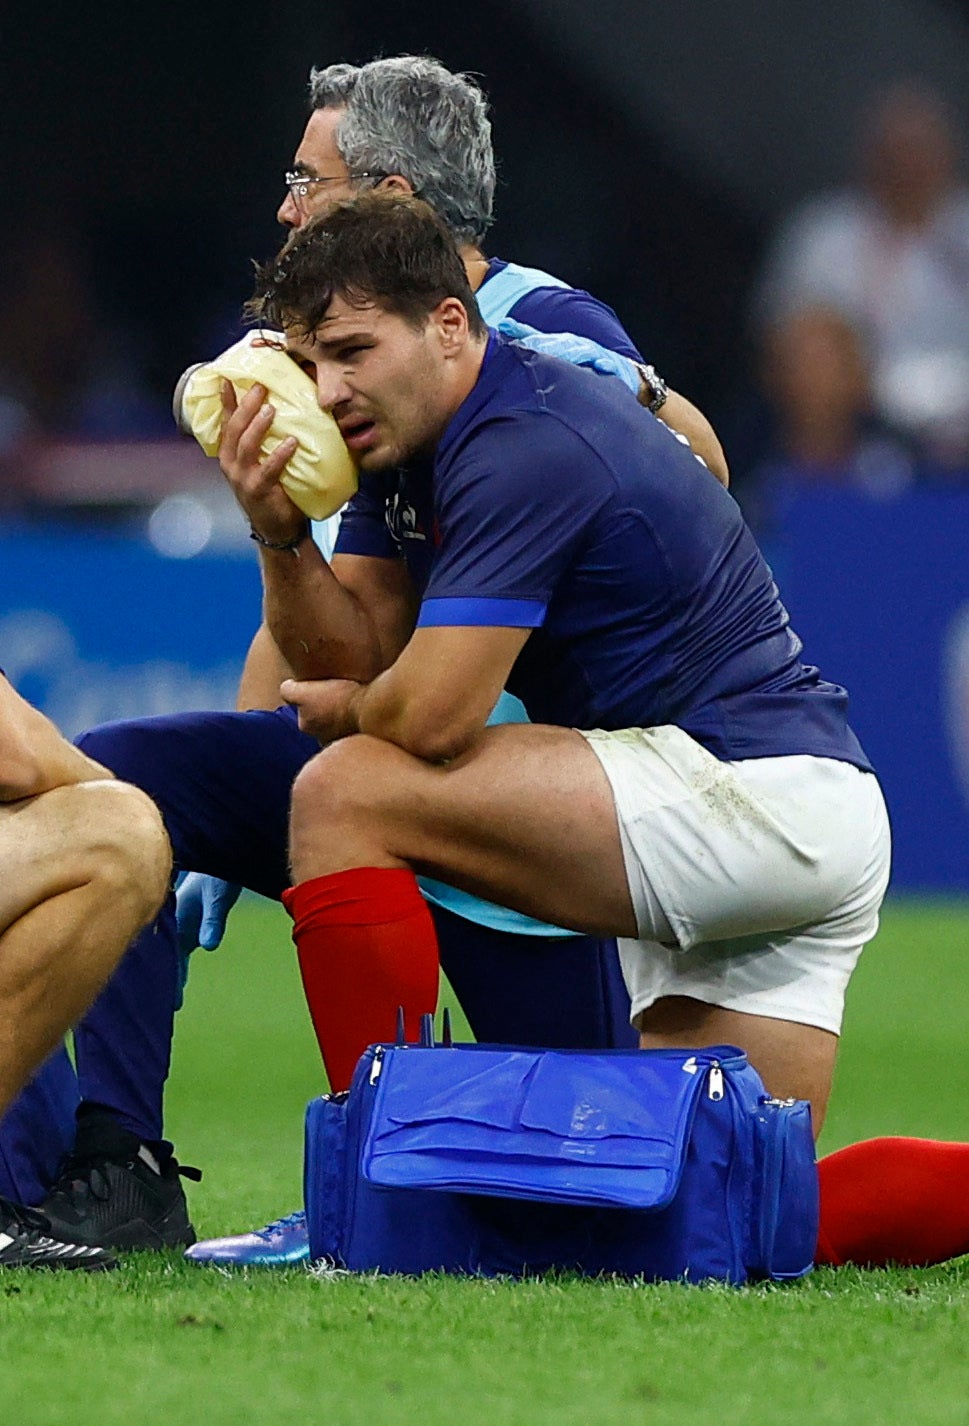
(282, 1244)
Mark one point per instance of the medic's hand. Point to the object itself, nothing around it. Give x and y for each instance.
(202, 906)
(580, 351)
(325, 706)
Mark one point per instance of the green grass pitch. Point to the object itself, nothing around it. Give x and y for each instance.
(163, 1341)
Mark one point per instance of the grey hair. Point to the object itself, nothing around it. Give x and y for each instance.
(410, 115)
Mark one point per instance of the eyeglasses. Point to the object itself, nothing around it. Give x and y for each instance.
(300, 184)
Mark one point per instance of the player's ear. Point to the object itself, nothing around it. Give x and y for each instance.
(451, 320)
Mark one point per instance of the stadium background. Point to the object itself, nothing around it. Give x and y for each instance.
(647, 152)
(648, 149)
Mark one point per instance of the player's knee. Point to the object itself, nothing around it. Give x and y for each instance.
(132, 854)
(341, 783)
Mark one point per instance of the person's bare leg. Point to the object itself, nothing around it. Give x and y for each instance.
(84, 867)
(526, 818)
(794, 1061)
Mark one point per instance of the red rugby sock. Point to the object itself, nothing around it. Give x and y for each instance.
(894, 1201)
(366, 944)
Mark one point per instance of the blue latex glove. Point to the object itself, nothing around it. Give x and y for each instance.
(580, 351)
(202, 906)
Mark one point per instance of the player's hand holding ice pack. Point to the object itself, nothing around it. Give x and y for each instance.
(320, 476)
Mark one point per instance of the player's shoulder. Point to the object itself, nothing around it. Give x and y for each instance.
(514, 385)
(527, 422)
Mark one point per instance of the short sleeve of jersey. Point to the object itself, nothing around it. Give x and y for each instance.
(568, 309)
(363, 526)
(324, 534)
(511, 514)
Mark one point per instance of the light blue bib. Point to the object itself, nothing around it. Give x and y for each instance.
(498, 295)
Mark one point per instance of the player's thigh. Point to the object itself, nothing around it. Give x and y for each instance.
(525, 818)
(794, 1060)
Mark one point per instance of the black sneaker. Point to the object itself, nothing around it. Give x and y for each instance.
(112, 1190)
(25, 1243)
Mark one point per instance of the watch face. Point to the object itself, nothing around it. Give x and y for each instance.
(658, 390)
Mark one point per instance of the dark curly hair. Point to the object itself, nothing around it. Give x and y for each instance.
(387, 248)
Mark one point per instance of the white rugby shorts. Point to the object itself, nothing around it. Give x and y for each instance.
(756, 884)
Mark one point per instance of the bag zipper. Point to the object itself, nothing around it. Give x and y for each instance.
(773, 1144)
(716, 1094)
(354, 1139)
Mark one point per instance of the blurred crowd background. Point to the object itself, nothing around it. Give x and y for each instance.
(773, 198)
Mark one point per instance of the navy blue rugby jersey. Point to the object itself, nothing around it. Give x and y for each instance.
(556, 503)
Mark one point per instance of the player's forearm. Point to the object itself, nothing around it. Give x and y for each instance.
(34, 757)
(682, 416)
(433, 730)
(319, 628)
(435, 700)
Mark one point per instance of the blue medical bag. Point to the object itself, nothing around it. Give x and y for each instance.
(484, 1159)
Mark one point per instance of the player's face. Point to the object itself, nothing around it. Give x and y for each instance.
(318, 158)
(383, 380)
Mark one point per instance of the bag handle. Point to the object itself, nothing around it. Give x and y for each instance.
(426, 1034)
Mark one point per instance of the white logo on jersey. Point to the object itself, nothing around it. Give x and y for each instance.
(402, 519)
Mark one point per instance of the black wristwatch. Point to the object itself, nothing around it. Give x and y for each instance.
(655, 386)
